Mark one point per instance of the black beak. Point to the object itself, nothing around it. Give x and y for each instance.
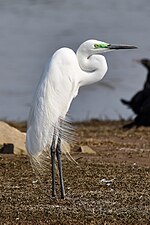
(117, 47)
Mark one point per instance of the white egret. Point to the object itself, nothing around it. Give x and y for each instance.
(63, 76)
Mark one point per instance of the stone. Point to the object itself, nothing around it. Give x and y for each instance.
(86, 149)
(11, 136)
(7, 149)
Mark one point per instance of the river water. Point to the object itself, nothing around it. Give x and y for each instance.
(32, 30)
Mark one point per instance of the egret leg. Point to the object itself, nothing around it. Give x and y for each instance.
(53, 153)
(58, 155)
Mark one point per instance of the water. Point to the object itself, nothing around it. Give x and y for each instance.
(31, 30)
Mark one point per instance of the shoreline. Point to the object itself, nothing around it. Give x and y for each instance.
(22, 125)
(108, 187)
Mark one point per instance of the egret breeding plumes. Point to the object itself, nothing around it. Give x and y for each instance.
(59, 85)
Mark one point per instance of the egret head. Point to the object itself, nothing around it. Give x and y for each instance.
(92, 47)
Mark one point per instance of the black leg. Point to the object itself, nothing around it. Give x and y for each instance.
(53, 152)
(58, 155)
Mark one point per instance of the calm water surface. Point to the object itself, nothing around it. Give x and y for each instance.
(31, 30)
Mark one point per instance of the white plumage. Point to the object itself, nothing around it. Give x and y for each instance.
(51, 102)
(59, 84)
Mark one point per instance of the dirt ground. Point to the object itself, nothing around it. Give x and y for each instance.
(110, 187)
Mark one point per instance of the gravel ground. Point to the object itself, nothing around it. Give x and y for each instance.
(109, 187)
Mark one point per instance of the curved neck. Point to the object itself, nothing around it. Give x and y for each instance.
(93, 68)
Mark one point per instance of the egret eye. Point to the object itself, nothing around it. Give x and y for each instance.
(96, 46)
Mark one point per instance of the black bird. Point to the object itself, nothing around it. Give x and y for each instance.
(137, 100)
(146, 63)
(143, 116)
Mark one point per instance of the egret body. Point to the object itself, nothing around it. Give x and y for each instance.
(63, 76)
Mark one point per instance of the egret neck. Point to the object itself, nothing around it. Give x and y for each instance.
(93, 67)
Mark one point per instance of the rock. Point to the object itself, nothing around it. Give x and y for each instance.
(7, 149)
(10, 135)
(86, 149)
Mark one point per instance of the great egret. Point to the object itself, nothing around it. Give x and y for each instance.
(63, 76)
(138, 99)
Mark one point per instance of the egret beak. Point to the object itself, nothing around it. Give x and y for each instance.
(117, 47)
